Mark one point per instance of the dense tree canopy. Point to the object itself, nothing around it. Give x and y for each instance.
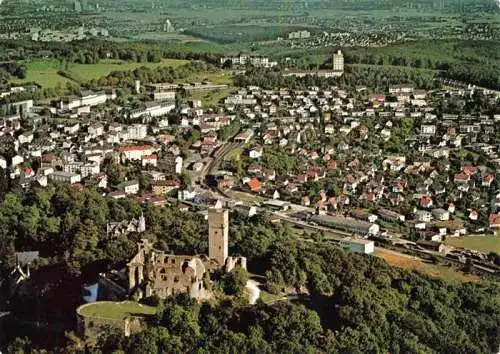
(358, 304)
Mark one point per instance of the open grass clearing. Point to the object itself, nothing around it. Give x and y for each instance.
(45, 72)
(219, 77)
(105, 67)
(246, 197)
(234, 155)
(413, 263)
(269, 298)
(116, 310)
(484, 244)
(210, 98)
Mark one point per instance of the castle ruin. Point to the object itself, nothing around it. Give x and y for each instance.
(154, 272)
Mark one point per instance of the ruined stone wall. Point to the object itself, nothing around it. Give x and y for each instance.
(89, 328)
(169, 275)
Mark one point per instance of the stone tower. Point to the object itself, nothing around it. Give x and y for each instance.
(218, 235)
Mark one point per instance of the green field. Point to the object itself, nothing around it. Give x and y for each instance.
(45, 72)
(404, 261)
(210, 99)
(480, 243)
(219, 77)
(234, 155)
(95, 71)
(116, 310)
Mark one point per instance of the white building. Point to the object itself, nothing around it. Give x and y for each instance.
(86, 99)
(137, 131)
(186, 194)
(72, 129)
(428, 129)
(22, 106)
(136, 152)
(338, 61)
(243, 59)
(3, 163)
(149, 160)
(129, 187)
(96, 130)
(17, 160)
(65, 177)
(85, 169)
(358, 246)
(178, 164)
(240, 100)
(164, 95)
(25, 138)
(153, 110)
(299, 35)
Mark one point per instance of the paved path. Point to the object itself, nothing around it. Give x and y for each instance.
(253, 289)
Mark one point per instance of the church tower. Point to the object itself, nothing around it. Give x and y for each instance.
(218, 235)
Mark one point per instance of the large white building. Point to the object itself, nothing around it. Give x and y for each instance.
(136, 152)
(85, 169)
(359, 246)
(153, 110)
(338, 61)
(86, 99)
(299, 35)
(65, 177)
(96, 129)
(22, 106)
(135, 132)
(164, 95)
(243, 59)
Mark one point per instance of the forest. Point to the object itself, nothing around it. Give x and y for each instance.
(352, 303)
(466, 61)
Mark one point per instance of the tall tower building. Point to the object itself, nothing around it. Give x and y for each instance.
(218, 235)
(338, 61)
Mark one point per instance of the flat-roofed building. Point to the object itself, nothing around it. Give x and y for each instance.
(347, 224)
(357, 245)
(65, 177)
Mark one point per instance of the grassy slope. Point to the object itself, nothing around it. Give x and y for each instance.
(413, 263)
(45, 72)
(117, 310)
(209, 99)
(95, 71)
(480, 243)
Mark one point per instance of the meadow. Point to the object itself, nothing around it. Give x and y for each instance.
(413, 263)
(47, 72)
(480, 243)
(243, 32)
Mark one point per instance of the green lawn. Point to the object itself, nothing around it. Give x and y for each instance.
(234, 155)
(219, 77)
(269, 298)
(45, 72)
(246, 197)
(103, 68)
(480, 243)
(116, 310)
(209, 99)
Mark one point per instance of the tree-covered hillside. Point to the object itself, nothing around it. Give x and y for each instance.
(358, 304)
(355, 303)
